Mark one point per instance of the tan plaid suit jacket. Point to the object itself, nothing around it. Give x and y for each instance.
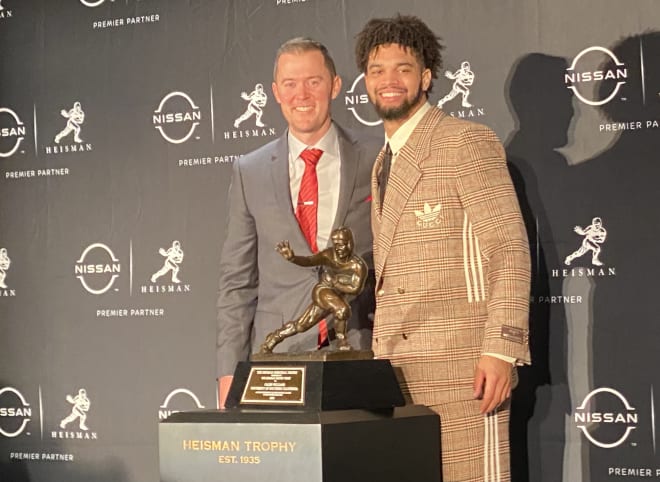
(451, 257)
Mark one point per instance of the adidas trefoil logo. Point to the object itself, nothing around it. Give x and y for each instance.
(429, 217)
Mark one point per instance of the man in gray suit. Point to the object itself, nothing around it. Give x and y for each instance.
(259, 291)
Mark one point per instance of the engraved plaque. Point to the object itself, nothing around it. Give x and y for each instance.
(282, 385)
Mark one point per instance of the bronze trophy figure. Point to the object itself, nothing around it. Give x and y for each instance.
(343, 276)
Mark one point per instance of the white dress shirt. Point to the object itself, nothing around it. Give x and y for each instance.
(328, 173)
(400, 137)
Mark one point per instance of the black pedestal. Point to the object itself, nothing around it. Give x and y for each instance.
(305, 421)
(396, 445)
(328, 385)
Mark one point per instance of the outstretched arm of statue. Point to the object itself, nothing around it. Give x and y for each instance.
(284, 248)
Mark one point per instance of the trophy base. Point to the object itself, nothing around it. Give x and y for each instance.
(283, 382)
(315, 355)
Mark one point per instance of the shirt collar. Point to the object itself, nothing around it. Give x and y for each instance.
(400, 137)
(328, 144)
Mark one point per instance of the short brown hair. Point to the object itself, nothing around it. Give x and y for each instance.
(305, 44)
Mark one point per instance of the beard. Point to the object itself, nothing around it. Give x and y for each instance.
(400, 112)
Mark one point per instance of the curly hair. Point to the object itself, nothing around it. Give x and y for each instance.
(406, 30)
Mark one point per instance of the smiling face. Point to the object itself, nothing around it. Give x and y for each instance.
(396, 83)
(304, 88)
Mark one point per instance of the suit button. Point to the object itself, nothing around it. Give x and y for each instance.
(401, 291)
(380, 292)
(405, 337)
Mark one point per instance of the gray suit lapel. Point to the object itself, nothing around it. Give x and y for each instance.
(350, 160)
(279, 168)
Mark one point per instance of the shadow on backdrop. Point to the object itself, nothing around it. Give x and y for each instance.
(623, 191)
(542, 107)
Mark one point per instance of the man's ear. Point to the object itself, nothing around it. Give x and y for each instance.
(276, 92)
(336, 86)
(426, 79)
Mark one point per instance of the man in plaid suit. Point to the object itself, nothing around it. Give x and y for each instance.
(450, 251)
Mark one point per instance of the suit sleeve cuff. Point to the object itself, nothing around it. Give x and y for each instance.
(513, 361)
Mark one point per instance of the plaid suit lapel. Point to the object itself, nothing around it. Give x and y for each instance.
(402, 181)
(404, 176)
(375, 172)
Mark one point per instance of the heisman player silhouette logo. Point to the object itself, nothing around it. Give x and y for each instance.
(173, 258)
(75, 117)
(594, 235)
(463, 78)
(257, 99)
(79, 411)
(4, 266)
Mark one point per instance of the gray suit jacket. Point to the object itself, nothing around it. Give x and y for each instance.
(259, 290)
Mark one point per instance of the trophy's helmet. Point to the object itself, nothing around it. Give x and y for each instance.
(346, 234)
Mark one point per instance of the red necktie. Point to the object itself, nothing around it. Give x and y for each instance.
(308, 197)
(307, 210)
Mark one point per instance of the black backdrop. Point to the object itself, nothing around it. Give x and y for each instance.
(572, 88)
